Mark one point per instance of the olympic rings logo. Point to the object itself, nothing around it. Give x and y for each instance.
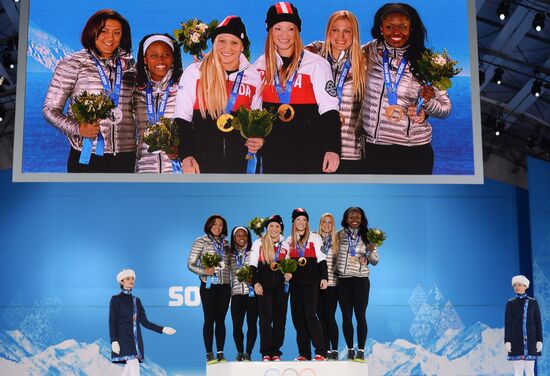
(290, 372)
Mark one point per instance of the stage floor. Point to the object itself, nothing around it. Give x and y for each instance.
(311, 368)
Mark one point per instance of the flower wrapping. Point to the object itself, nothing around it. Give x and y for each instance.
(211, 260)
(256, 225)
(194, 34)
(91, 108)
(162, 136)
(437, 69)
(376, 236)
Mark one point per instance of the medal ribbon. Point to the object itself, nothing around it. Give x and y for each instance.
(218, 248)
(114, 95)
(240, 259)
(154, 116)
(327, 243)
(301, 249)
(391, 87)
(278, 252)
(284, 95)
(352, 243)
(234, 92)
(341, 78)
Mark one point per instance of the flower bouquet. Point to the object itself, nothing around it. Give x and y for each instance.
(253, 123)
(211, 260)
(287, 266)
(376, 236)
(244, 275)
(436, 69)
(163, 136)
(194, 35)
(91, 108)
(256, 225)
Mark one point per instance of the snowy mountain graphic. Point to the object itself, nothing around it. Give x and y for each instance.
(44, 50)
(18, 356)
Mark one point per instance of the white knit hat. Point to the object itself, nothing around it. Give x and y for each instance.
(124, 273)
(520, 279)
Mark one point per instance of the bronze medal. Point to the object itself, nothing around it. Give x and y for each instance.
(274, 266)
(224, 123)
(394, 113)
(285, 112)
(302, 261)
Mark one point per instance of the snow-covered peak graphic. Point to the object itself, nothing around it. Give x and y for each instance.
(19, 357)
(44, 49)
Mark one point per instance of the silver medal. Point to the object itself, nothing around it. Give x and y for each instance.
(117, 115)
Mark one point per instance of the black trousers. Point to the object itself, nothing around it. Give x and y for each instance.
(398, 160)
(303, 306)
(348, 166)
(109, 163)
(354, 298)
(326, 310)
(242, 305)
(215, 303)
(272, 307)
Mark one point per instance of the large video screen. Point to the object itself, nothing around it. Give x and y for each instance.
(381, 93)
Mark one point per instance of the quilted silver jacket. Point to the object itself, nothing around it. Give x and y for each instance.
(74, 74)
(378, 129)
(153, 162)
(201, 245)
(350, 266)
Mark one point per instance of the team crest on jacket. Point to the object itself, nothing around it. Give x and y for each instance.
(330, 88)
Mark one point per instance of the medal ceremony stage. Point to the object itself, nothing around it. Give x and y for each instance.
(290, 368)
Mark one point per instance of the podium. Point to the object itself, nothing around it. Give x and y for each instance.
(309, 368)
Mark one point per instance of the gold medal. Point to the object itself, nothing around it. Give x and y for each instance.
(302, 261)
(285, 112)
(274, 266)
(394, 113)
(224, 123)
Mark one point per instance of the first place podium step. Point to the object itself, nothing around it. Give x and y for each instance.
(311, 368)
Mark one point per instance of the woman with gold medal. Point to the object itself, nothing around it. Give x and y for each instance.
(268, 284)
(299, 88)
(397, 136)
(310, 276)
(210, 91)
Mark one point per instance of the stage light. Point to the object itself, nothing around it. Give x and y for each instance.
(2, 114)
(499, 127)
(8, 60)
(536, 88)
(538, 22)
(497, 77)
(503, 9)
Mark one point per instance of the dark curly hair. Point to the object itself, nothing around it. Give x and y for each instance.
(248, 239)
(417, 36)
(363, 227)
(141, 68)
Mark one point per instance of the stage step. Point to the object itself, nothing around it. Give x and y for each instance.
(310, 368)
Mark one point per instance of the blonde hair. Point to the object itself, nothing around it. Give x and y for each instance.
(358, 60)
(271, 58)
(294, 238)
(333, 236)
(212, 89)
(267, 248)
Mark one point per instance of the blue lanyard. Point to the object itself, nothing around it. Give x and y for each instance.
(240, 259)
(284, 95)
(391, 87)
(234, 92)
(278, 252)
(152, 115)
(351, 244)
(301, 250)
(218, 246)
(113, 92)
(342, 78)
(327, 244)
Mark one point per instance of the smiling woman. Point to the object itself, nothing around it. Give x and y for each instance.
(104, 66)
(211, 90)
